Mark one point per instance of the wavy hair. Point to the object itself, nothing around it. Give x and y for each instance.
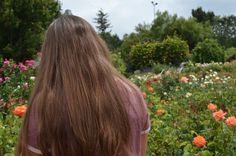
(80, 106)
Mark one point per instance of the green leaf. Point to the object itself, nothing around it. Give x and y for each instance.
(205, 153)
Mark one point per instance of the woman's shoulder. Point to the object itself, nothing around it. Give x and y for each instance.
(128, 85)
(134, 96)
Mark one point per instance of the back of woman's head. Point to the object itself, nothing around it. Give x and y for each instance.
(79, 107)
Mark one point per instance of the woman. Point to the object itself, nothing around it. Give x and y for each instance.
(81, 106)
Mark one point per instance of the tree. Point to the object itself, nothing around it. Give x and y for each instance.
(112, 41)
(22, 26)
(203, 16)
(225, 30)
(142, 34)
(102, 21)
(187, 29)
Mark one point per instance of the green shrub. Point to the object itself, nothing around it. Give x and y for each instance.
(118, 62)
(143, 55)
(230, 68)
(208, 51)
(157, 68)
(230, 54)
(172, 51)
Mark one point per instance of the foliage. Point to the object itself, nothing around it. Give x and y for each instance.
(158, 68)
(207, 51)
(112, 41)
(172, 51)
(179, 112)
(102, 21)
(230, 54)
(22, 25)
(143, 55)
(203, 16)
(118, 62)
(143, 31)
(16, 83)
(142, 34)
(128, 42)
(225, 30)
(187, 29)
(9, 130)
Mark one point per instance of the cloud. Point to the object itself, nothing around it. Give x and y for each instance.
(124, 15)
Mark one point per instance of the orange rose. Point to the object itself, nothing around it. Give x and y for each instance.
(231, 121)
(160, 111)
(19, 111)
(184, 79)
(150, 89)
(211, 106)
(219, 115)
(199, 141)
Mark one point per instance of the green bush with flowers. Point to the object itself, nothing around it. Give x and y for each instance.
(192, 112)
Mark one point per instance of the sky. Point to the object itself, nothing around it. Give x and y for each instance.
(124, 15)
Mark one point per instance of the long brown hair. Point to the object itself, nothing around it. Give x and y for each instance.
(79, 105)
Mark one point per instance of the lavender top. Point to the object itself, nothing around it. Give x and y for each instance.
(139, 120)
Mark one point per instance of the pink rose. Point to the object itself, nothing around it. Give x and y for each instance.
(7, 78)
(22, 67)
(6, 62)
(13, 66)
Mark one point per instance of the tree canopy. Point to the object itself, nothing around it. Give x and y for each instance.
(22, 26)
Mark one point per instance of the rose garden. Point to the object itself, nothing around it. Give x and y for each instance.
(192, 111)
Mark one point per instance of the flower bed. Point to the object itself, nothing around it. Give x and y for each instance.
(192, 113)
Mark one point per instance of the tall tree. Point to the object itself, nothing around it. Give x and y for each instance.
(103, 24)
(102, 21)
(225, 30)
(203, 16)
(22, 26)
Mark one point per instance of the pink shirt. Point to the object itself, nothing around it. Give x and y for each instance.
(139, 120)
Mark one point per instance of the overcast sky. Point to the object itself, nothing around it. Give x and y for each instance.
(124, 15)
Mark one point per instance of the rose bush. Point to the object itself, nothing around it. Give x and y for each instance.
(16, 82)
